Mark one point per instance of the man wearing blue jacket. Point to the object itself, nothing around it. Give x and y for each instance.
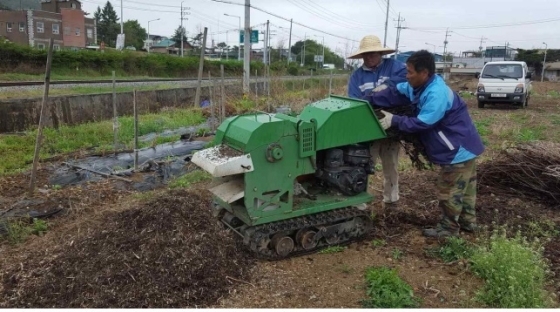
(374, 72)
(449, 136)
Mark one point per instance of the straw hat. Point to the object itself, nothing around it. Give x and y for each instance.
(370, 44)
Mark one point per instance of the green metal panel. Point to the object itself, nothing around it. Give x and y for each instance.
(246, 132)
(341, 121)
(306, 131)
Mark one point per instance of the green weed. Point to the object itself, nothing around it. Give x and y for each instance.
(332, 249)
(483, 126)
(346, 269)
(531, 134)
(397, 254)
(19, 231)
(385, 289)
(454, 249)
(190, 178)
(514, 272)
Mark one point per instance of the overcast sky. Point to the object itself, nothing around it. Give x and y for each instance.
(522, 24)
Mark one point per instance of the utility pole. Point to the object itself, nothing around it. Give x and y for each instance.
(303, 56)
(399, 27)
(544, 62)
(290, 43)
(183, 32)
(480, 49)
(239, 30)
(386, 23)
(122, 25)
(323, 43)
(265, 41)
(247, 49)
(444, 52)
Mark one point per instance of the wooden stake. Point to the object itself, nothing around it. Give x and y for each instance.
(256, 84)
(115, 118)
(135, 129)
(330, 84)
(222, 89)
(200, 68)
(41, 118)
(210, 85)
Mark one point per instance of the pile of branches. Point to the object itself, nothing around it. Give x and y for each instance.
(411, 143)
(529, 170)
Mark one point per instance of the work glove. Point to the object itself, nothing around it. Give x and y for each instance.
(380, 87)
(386, 121)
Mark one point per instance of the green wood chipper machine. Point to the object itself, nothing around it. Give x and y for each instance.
(294, 184)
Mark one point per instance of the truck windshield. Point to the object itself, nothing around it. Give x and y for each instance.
(503, 71)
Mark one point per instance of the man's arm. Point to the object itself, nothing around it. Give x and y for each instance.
(431, 112)
(389, 95)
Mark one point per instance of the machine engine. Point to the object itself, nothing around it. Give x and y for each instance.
(346, 168)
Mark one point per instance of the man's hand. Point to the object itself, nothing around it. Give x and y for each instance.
(386, 121)
(380, 87)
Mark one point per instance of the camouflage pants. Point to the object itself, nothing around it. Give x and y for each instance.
(457, 194)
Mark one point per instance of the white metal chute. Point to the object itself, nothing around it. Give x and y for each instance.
(221, 161)
(230, 190)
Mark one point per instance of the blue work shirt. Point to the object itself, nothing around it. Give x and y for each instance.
(442, 120)
(364, 79)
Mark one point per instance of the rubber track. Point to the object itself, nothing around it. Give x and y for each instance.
(314, 220)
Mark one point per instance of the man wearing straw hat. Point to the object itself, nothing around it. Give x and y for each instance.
(378, 71)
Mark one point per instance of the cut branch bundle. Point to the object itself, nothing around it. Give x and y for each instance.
(527, 170)
(411, 143)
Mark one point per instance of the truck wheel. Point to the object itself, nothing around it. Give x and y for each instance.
(480, 104)
(525, 102)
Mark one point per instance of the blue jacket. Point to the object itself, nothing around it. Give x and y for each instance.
(442, 120)
(363, 80)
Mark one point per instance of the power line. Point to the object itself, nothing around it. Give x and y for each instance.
(337, 21)
(286, 19)
(340, 17)
(549, 20)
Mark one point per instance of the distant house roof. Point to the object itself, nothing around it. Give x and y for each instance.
(165, 43)
(553, 66)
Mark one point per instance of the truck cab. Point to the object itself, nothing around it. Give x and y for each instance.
(507, 82)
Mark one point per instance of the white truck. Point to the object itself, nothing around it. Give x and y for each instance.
(328, 66)
(504, 82)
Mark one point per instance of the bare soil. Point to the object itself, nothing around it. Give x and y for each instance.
(113, 247)
(165, 252)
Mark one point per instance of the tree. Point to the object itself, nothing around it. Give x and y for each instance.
(534, 58)
(97, 16)
(197, 40)
(134, 34)
(177, 36)
(107, 25)
(222, 46)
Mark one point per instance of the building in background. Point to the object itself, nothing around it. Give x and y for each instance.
(552, 71)
(62, 20)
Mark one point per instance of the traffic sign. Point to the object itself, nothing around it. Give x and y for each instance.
(254, 36)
